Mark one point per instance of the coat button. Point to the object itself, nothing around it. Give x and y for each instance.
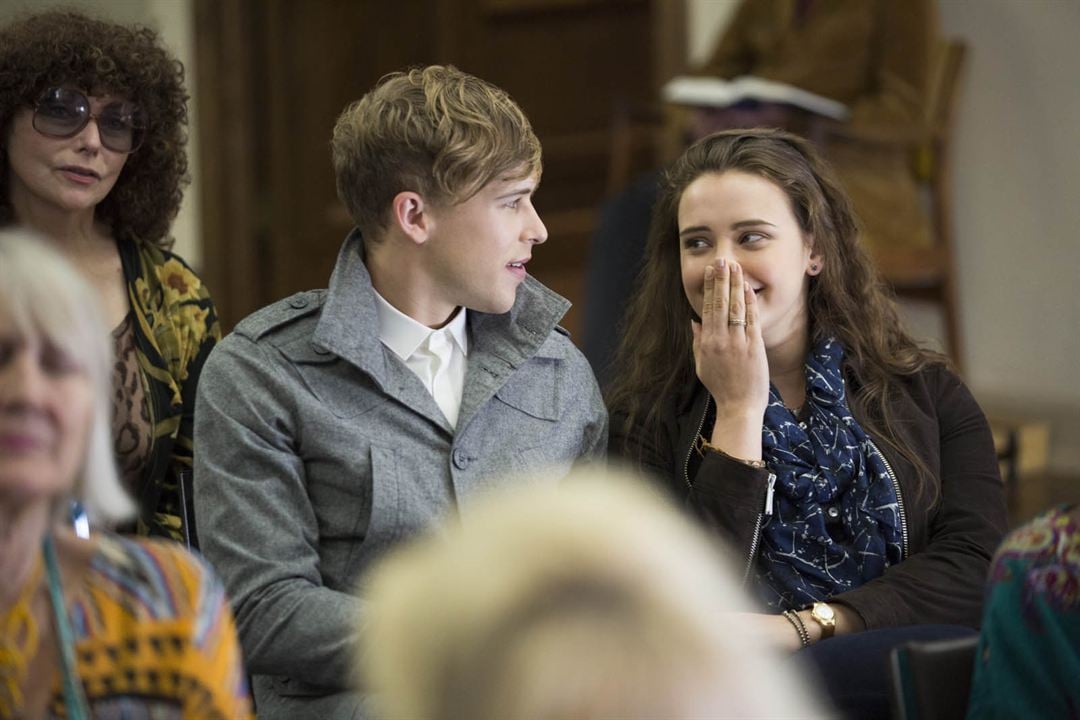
(833, 512)
(299, 302)
(461, 460)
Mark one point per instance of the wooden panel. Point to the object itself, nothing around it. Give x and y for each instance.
(506, 7)
(275, 74)
(232, 256)
(320, 56)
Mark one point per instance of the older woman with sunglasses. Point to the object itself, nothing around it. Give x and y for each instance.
(92, 153)
(103, 626)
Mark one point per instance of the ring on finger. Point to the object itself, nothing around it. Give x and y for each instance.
(736, 321)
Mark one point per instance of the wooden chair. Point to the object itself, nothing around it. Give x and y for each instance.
(932, 680)
(929, 274)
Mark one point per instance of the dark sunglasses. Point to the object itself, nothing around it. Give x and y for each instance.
(63, 113)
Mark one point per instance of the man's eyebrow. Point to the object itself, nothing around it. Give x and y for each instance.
(519, 191)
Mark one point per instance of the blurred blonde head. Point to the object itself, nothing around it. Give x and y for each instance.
(592, 599)
(44, 296)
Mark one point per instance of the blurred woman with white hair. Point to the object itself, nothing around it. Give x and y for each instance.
(594, 599)
(99, 626)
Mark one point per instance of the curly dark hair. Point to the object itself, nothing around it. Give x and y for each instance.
(62, 47)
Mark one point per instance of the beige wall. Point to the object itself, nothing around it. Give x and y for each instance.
(172, 18)
(1016, 195)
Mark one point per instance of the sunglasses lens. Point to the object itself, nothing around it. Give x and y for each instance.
(61, 113)
(121, 127)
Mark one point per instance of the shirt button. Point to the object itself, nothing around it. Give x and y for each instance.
(802, 425)
(833, 512)
(299, 302)
(461, 460)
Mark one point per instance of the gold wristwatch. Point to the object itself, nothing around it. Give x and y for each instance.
(824, 616)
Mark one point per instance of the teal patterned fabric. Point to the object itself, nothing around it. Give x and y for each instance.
(1028, 661)
(836, 515)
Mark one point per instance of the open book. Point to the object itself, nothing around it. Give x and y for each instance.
(714, 92)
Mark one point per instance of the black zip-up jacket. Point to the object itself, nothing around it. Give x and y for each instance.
(948, 543)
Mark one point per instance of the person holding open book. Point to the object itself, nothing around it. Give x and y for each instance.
(764, 379)
(874, 57)
(864, 60)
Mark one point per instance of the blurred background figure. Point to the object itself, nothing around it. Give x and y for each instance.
(92, 153)
(874, 56)
(1028, 659)
(99, 627)
(590, 600)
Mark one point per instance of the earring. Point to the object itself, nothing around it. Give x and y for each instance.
(814, 267)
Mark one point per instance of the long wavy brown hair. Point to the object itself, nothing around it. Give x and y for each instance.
(655, 362)
(68, 48)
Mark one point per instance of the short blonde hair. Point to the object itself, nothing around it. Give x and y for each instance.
(43, 294)
(434, 130)
(592, 599)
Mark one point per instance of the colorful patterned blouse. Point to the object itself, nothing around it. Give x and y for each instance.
(1028, 661)
(154, 637)
(175, 327)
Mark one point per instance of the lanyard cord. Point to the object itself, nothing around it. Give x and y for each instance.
(74, 698)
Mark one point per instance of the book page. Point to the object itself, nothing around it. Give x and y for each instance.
(715, 92)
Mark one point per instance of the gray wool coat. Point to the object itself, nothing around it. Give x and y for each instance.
(318, 449)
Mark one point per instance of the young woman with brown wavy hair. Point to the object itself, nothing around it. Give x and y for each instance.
(93, 157)
(765, 378)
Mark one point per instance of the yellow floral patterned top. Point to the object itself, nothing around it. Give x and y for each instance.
(175, 327)
(154, 638)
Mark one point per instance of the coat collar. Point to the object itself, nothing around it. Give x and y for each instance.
(349, 326)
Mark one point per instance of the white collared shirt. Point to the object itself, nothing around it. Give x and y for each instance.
(437, 357)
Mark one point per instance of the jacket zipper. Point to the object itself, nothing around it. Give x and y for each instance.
(770, 490)
(700, 425)
(899, 498)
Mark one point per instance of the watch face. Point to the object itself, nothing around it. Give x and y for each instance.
(825, 612)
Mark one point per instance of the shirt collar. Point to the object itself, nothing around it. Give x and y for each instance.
(403, 335)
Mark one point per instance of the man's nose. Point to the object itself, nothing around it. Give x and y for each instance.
(536, 231)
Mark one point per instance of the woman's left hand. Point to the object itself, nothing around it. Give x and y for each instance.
(778, 631)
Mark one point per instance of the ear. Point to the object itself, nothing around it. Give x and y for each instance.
(815, 261)
(412, 216)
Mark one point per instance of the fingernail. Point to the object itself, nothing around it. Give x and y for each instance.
(723, 263)
(746, 286)
(708, 272)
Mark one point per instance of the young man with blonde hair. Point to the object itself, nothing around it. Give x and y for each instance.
(337, 422)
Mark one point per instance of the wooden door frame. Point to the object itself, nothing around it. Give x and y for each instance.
(238, 241)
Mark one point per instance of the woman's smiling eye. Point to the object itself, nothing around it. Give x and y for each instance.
(751, 237)
(695, 243)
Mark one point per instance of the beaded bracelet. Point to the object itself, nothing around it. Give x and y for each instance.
(797, 623)
(702, 445)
